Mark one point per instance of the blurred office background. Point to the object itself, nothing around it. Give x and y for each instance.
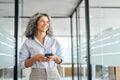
(88, 31)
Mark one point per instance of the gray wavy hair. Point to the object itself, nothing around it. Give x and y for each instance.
(31, 29)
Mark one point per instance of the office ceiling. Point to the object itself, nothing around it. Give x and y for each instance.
(56, 8)
(62, 8)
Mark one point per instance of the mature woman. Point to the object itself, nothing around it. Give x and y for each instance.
(41, 51)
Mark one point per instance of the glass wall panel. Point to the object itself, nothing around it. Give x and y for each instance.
(74, 47)
(7, 40)
(61, 28)
(22, 74)
(105, 39)
(83, 52)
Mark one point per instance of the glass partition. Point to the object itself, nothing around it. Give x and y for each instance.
(105, 39)
(7, 40)
(83, 47)
(74, 47)
(61, 28)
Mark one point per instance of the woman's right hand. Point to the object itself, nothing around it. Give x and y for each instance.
(37, 57)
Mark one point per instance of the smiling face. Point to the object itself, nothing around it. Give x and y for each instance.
(43, 24)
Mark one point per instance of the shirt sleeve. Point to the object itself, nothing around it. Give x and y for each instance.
(23, 55)
(59, 51)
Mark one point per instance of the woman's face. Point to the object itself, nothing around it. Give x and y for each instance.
(43, 24)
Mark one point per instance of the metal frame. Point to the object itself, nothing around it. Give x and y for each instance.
(88, 38)
(16, 38)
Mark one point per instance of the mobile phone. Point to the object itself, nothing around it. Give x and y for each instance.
(48, 54)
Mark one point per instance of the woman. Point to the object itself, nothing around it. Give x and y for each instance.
(41, 51)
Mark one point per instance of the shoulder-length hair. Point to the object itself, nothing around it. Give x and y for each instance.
(31, 29)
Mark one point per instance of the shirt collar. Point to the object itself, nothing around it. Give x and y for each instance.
(45, 41)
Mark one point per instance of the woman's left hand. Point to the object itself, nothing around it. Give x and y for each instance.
(54, 58)
(51, 58)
